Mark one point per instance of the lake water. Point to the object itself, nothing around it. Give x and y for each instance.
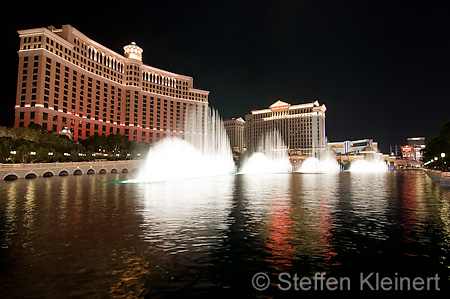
(98, 237)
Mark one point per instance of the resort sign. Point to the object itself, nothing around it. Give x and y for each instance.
(279, 105)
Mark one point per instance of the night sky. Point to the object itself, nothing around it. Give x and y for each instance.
(382, 68)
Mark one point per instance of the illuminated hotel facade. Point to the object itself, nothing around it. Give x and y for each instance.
(235, 129)
(302, 126)
(67, 80)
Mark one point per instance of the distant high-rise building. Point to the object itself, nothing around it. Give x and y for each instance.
(302, 126)
(394, 150)
(416, 141)
(67, 81)
(414, 149)
(235, 129)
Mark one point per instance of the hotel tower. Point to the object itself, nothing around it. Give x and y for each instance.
(302, 126)
(235, 129)
(67, 81)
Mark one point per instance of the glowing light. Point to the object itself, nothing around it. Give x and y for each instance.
(314, 165)
(365, 166)
(281, 107)
(272, 157)
(205, 152)
(133, 51)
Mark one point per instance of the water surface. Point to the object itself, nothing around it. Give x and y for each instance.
(94, 236)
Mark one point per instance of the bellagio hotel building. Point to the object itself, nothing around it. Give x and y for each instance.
(67, 80)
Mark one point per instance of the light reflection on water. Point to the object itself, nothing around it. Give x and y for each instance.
(92, 236)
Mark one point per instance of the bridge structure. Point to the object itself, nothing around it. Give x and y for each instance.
(34, 170)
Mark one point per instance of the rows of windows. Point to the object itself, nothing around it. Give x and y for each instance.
(296, 132)
(50, 83)
(98, 62)
(69, 91)
(282, 113)
(106, 65)
(66, 90)
(83, 128)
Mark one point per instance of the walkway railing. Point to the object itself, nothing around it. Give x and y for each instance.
(442, 177)
(59, 164)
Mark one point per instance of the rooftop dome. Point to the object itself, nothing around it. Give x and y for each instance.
(133, 51)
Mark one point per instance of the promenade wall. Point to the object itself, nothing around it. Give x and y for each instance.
(442, 177)
(33, 170)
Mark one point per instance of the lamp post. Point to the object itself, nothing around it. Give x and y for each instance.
(443, 161)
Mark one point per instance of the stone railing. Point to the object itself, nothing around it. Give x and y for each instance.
(33, 170)
(442, 177)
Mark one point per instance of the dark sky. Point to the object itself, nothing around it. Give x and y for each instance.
(382, 68)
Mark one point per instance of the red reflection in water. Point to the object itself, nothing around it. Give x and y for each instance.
(280, 234)
(408, 207)
(325, 230)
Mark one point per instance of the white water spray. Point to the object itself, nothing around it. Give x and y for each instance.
(271, 157)
(368, 166)
(204, 152)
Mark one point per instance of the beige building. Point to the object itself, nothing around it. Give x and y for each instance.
(66, 79)
(353, 147)
(302, 126)
(235, 129)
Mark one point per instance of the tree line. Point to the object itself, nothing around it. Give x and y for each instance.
(437, 147)
(34, 144)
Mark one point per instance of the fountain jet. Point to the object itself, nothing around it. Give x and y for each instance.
(271, 157)
(205, 151)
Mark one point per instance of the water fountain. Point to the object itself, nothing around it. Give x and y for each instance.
(205, 151)
(367, 166)
(372, 162)
(325, 162)
(271, 157)
(314, 165)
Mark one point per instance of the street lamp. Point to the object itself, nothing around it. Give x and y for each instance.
(442, 155)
